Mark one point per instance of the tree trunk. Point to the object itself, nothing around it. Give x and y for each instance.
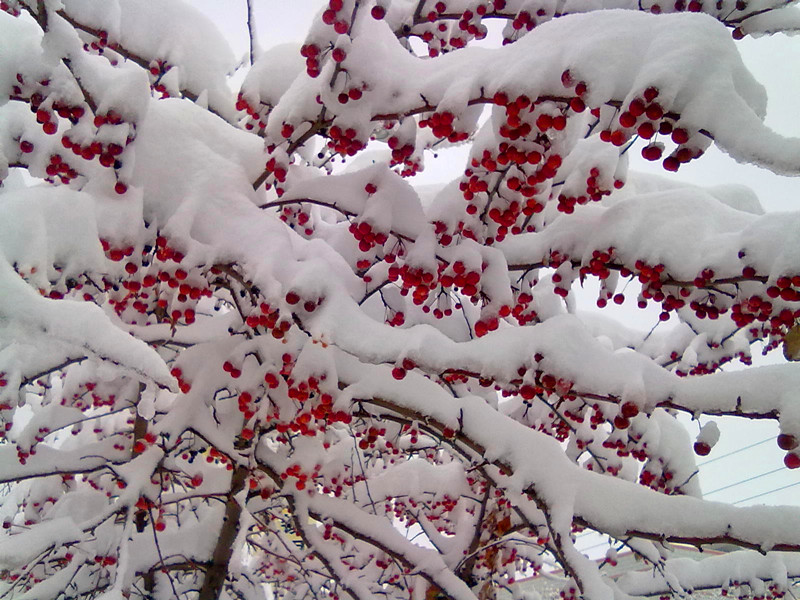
(218, 570)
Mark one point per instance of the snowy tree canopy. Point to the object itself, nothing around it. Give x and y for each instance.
(241, 353)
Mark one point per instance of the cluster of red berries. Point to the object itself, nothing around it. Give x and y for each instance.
(441, 37)
(268, 318)
(107, 154)
(312, 55)
(344, 141)
(58, 169)
(256, 118)
(302, 478)
(150, 286)
(298, 217)
(331, 16)
(442, 124)
(140, 445)
(647, 119)
(367, 237)
(402, 154)
(523, 310)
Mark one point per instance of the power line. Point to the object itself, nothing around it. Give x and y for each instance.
(732, 452)
(730, 485)
(606, 543)
(767, 493)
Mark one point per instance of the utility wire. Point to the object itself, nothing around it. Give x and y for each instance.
(606, 543)
(716, 458)
(767, 493)
(730, 485)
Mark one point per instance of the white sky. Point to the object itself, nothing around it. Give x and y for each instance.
(775, 61)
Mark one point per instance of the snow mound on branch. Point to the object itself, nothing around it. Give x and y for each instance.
(690, 58)
(183, 151)
(24, 547)
(19, 51)
(686, 229)
(714, 571)
(735, 195)
(394, 205)
(40, 228)
(540, 467)
(779, 20)
(195, 174)
(40, 334)
(44, 226)
(174, 32)
(273, 73)
(569, 351)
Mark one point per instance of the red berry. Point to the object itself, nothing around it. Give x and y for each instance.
(577, 105)
(671, 163)
(271, 380)
(629, 410)
(646, 130)
(120, 188)
(680, 136)
(792, 460)
(378, 12)
(627, 119)
(650, 94)
(787, 442)
(701, 448)
(652, 152)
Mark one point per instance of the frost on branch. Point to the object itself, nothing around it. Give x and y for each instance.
(239, 346)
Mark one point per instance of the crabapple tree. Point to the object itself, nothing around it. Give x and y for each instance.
(242, 354)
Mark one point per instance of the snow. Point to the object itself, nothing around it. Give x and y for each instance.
(715, 571)
(398, 457)
(40, 332)
(686, 232)
(273, 74)
(176, 33)
(25, 546)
